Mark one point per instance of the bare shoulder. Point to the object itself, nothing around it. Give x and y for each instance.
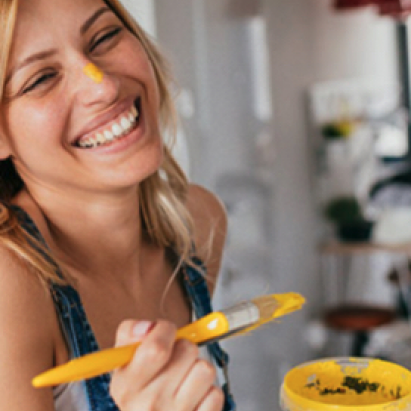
(210, 225)
(27, 326)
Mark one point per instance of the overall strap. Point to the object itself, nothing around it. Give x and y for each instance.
(82, 341)
(197, 289)
(75, 326)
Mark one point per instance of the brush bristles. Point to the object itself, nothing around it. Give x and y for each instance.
(266, 304)
(273, 306)
(276, 305)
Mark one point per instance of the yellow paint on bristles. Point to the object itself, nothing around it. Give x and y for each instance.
(273, 306)
(93, 72)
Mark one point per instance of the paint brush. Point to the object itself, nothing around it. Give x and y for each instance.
(239, 319)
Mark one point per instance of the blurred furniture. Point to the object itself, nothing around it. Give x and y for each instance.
(400, 10)
(356, 318)
(396, 8)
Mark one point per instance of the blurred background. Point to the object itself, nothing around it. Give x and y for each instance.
(295, 112)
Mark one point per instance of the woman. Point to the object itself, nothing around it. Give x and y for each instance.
(102, 239)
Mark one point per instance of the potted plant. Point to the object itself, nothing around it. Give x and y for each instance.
(345, 213)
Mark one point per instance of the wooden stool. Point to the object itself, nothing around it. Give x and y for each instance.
(358, 319)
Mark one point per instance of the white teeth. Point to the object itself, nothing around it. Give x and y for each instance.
(100, 138)
(86, 143)
(125, 123)
(117, 129)
(108, 135)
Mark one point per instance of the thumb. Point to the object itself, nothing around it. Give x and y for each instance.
(131, 331)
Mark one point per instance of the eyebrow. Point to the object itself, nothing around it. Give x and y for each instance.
(48, 53)
(31, 59)
(89, 22)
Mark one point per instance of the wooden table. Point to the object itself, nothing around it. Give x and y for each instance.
(336, 262)
(335, 247)
(337, 256)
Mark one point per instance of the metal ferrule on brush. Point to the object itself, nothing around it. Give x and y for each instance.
(242, 315)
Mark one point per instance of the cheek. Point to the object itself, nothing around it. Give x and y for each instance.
(139, 66)
(36, 122)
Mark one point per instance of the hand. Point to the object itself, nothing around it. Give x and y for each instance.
(164, 375)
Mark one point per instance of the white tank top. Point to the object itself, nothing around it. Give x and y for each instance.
(70, 397)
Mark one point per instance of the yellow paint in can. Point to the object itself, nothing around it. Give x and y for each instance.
(93, 72)
(347, 384)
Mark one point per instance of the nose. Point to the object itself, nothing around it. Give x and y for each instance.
(95, 87)
(93, 72)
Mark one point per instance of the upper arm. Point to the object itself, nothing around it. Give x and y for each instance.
(26, 345)
(210, 228)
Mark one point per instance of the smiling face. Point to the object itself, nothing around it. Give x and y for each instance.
(65, 129)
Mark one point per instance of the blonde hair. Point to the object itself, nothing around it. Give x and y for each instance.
(165, 219)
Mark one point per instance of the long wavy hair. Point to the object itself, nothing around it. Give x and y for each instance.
(165, 219)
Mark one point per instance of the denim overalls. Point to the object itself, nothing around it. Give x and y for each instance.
(81, 339)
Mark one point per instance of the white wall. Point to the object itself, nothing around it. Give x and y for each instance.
(352, 43)
(144, 12)
(310, 43)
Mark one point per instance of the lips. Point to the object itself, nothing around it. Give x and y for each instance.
(113, 130)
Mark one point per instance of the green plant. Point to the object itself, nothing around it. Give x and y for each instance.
(346, 214)
(344, 209)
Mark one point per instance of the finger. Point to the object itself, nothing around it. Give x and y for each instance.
(149, 359)
(198, 382)
(152, 355)
(159, 393)
(130, 331)
(184, 356)
(213, 401)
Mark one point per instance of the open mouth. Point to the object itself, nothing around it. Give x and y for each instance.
(114, 131)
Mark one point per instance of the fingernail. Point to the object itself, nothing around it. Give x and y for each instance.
(141, 328)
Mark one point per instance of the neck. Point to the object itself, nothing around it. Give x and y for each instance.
(94, 236)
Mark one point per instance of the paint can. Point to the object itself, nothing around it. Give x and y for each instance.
(347, 384)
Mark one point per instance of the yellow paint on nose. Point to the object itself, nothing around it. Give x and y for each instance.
(93, 72)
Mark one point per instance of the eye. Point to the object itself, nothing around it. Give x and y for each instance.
(40, 81)
(105, 38)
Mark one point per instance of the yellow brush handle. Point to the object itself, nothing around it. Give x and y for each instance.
(87, 366)
(101, 362)
(212, 326)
